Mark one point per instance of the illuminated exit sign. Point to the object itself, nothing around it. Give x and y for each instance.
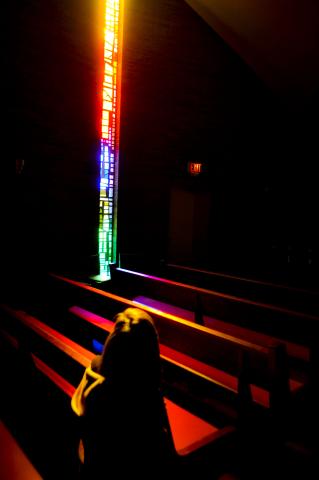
(195, 168)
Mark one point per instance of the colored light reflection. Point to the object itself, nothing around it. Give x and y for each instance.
(97, 346)
(109, 155)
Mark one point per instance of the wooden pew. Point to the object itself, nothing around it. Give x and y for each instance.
(304, 300)
(286, 324)
(262, 365)
(229, 314)
(298, 355)
(242, 385)
(190, 433)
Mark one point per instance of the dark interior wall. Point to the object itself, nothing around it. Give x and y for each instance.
(55, 74)
(174, 97)
(278, 39)
(186, 96)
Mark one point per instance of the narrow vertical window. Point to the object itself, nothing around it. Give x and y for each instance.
(109, 153)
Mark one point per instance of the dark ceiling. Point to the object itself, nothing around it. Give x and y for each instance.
(279, 39)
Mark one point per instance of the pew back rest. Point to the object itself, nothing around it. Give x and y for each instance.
(259, 316)
(218, 349)
(264, 365)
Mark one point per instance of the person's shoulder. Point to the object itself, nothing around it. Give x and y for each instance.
(96, 363)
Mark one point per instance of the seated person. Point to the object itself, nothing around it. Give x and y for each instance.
(124, 427)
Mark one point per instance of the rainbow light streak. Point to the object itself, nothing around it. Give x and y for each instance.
(110, 137)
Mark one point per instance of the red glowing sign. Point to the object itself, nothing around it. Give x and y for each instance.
(195, 168)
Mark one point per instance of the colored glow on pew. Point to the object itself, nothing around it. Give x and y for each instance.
(109, 153)
(158, 313)
(152, 277)
(226, 296)
(187, 429)
(63, 343)
(165, 307)
(92, 317)
(97, 346)
(14, 464)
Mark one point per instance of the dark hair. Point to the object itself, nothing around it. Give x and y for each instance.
(131, 351)
(125, 415)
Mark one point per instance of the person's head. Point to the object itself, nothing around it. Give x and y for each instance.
(131, 352)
